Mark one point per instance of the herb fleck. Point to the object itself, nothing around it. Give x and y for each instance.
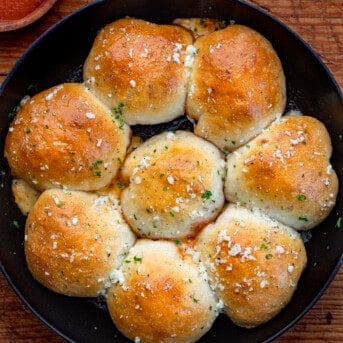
(301, 197)
(96, 164)
(269, 256)
(263, 246)
(304, 219)
(14, 111)
(206, 195)
(118, 115)
(339, 223)
(33, 87)
(120, 185)
(15, 224)
(137, 259)
(194, 299)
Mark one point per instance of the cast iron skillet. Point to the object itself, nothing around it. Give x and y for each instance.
(58, 57)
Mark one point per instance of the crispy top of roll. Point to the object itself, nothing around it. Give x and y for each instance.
(175, 185)
(161, 295)
(74, 240)
(254, 263)
(142, 67)
(286, 171)
(237, 86)
(65, 137)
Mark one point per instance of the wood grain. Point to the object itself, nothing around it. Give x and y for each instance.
(319, 23)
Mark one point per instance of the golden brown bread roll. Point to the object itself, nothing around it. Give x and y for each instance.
(254, 263)
(237, 86)
(200, 26)
(25, 196)
(175, 185)
(161, 295)
(64, 136)
(141, 68)
(286, 172)
(74, 241)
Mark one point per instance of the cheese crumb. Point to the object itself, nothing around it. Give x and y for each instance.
(235, 250)
(279, 249)
(290, 269)
(170, 180)
(90, 115)
(264, 283)
(75, 221)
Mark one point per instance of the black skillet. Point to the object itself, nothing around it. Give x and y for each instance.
(58, 57)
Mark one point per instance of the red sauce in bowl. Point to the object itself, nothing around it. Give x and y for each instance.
(17, 9)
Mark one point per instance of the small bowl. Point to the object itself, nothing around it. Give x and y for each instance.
(11, 25)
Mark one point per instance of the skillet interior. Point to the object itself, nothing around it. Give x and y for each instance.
(58, 56)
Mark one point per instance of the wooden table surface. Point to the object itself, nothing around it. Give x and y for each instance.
(320, 23)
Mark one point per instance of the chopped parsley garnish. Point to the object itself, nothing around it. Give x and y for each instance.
(15, 224)
(120, 185)
(194, 299)
(14, 111)
(301, 197)
(33, 87)
(27, 130)
(137, 259)
(177, 242)
(118, 115)
(339, 223)
(60, 203)
(171, 213)
(269, 256)
(97, 174)
(304, 219)
(263, 246)
(206, 195)
(96, 164)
